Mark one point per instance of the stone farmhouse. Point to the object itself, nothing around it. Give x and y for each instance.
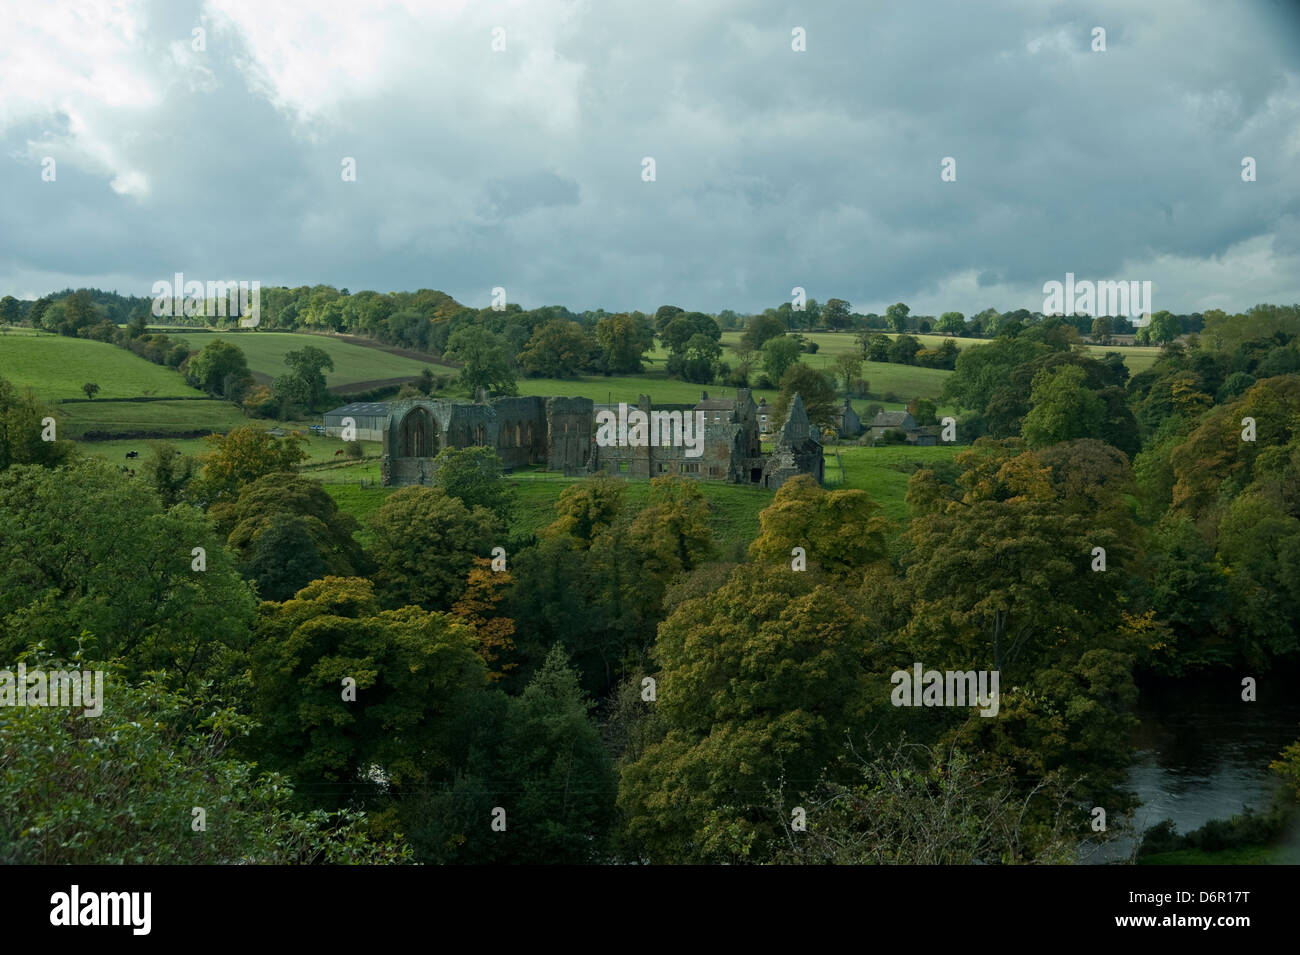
(849, 425)
(560, 435)
(903, 421)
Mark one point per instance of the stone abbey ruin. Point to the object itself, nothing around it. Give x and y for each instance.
(561, 435)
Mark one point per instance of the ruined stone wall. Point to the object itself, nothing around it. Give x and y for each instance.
(786, 463)
(402, 472)
(715, 463)
(471, 426)
(570, 430)
(521, 431)
(560, 433)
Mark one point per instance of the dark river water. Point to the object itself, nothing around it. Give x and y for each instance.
(1201, 753)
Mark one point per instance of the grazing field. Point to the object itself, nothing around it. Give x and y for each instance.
(265, 352)
(905, 381)
(163, 419)
(654, 382)
(319, 450)
(1137, 357)
(830, 344)
(55, 367)
(338, 471)
(884, 472)
(665, 390)
(154, 416)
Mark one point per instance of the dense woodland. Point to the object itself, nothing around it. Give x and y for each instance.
(624, 689)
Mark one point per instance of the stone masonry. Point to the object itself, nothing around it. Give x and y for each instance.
(559, 433)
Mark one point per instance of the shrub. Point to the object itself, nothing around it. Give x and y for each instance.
(1248, 829)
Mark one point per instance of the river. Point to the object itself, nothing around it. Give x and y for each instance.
(1202, 753)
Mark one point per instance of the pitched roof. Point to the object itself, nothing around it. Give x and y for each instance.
(889, 419)
(362, 407)
(715, 404)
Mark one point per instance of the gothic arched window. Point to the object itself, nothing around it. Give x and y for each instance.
(419, 434)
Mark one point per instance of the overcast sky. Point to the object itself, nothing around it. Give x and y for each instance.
(523, 167)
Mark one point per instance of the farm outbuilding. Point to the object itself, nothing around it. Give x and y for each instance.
(368, 416)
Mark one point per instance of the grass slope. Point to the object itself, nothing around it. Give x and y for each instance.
(56, 367)
(265, 352)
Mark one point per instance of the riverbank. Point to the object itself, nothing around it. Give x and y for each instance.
(1201, 753)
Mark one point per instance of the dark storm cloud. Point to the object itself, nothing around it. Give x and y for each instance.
(522, 168)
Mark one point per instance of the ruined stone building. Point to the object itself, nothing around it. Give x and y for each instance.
(560, 434)
(553, 432)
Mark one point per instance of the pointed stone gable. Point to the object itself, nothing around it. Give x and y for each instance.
(794, 433)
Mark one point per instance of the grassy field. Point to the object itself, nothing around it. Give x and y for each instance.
(154, 416)
(665, 390)
(654, 382)
(734, 518)
(908, 381)
(830, 344)
(336, 470)
(320, 450)
(882, 472)
(265, 352)
(161, 418)
(56, 367)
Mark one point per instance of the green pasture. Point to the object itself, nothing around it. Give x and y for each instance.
(881, 472)
(653, 382)
(734, 507)
(55, 367)
(831, 344)
(884, 472)
(320, 451)
(265, 353)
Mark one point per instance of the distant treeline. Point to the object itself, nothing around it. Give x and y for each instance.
(493, 347)
(425, 320)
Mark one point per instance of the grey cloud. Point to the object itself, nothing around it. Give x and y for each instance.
(775, 168)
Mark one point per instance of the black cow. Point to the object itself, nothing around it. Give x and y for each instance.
(133, 454)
